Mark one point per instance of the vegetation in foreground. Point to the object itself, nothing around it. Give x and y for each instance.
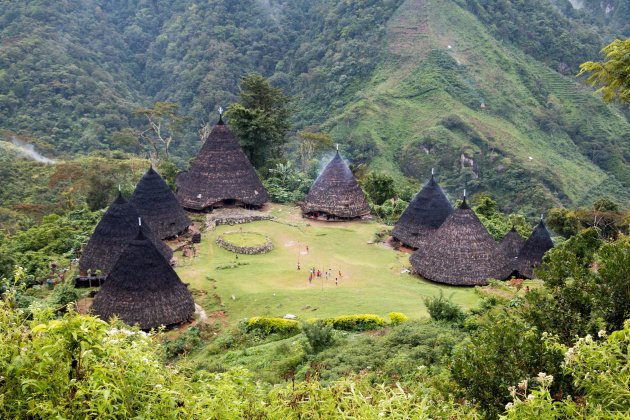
(556, 351)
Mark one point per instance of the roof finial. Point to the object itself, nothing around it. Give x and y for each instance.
(337, 145)
(139, 221)
(119, 189)
(221, 116)
(464, 193)
(542, 217)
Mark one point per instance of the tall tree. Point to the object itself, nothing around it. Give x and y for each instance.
(260, 119)
(163, 123)
(311, 143)
(612, 75)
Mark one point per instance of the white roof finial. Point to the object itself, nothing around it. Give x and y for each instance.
(139, 221)
(542, 216)
(337, 145)
(464, 192)
(119, 189)
(220, 110)
(432, 171)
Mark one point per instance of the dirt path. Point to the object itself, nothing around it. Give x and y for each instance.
(203, 316)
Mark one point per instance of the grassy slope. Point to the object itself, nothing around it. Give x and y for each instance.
(396, 107)
(270, 284)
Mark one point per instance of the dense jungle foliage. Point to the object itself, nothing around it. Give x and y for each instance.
(375, 75)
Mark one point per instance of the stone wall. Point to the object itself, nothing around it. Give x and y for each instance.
(250, 250)
(234, 216)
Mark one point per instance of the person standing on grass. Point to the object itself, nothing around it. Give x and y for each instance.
(340, 276)
(336, 281)
(327, 274)
(310, 278)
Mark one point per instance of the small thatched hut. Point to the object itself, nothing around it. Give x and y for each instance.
(532, 252)
(220, 176)
(158, 206)
(510, 247)
(117, 227)
(426, 212)
(460, 252)
(142, 288)
(335, 194)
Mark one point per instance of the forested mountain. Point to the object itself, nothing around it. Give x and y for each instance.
(483, 91)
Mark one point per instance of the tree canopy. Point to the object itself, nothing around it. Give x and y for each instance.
(260, 119)
(612, 75)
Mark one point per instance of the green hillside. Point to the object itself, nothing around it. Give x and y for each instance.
(541, 138)
(379, 75)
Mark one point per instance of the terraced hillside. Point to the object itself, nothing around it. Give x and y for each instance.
(451, 96)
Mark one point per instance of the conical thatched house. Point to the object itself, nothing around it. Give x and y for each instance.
(426, 212)
(335, 194)
(460, 252)
(143, 289)
(510, 247)
(117, 227)
(220, 175)
(158, 206)
(533, 250)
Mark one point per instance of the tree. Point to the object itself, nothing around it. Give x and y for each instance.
(613, 74)
(379, 187)
(311, 144)
(163, 124)
(260, 119)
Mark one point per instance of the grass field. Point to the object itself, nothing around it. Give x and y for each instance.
(373, 278)
(244, 238)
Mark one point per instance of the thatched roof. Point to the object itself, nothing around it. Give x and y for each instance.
(510, 246)
(117, 227)
(460, 252)
(336, 193)
(158, 206)
(425, 213)
(533, 250)
(220, 174)
(142, 288)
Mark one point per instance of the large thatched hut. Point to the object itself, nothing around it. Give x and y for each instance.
(510, 247)
(158, 206)
(424, 214)
(532, 252)
(142, 288)
(460, 252)
(335, 194)
(117, 227)
(221, 175)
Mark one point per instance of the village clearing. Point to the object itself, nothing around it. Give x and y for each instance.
(374, 277)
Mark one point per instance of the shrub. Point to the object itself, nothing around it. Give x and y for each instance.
(319, 336)
(266, 326)
(64, 294)
(443, 309)
(397, 318)
(360, 322)
(183, 344)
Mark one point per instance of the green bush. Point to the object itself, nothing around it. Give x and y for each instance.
(443, 309)
(64, 294)
(266, 325)
(360, 322)
(184, 344)
(319, 335)
(397, 318)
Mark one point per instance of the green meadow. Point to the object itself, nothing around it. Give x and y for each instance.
(374, 277)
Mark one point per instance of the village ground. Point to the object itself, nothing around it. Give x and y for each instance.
(375, 277)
